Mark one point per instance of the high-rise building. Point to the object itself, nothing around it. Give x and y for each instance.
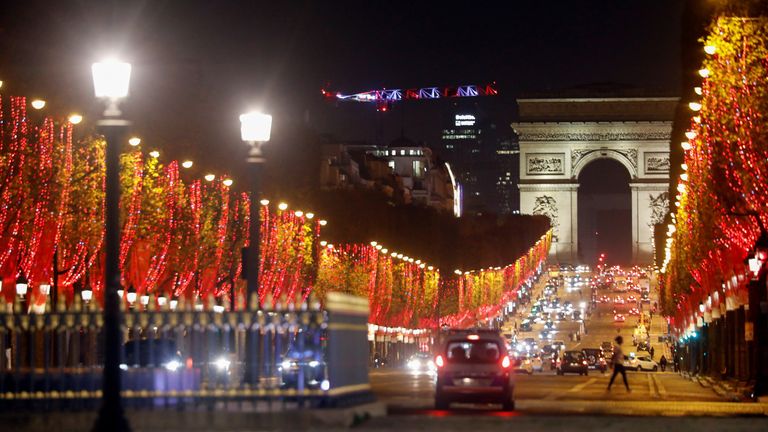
(483, 157)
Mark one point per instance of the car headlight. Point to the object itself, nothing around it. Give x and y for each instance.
(222, 363)
(314, 363)
(285, 365)
(414, 364)
(173, 365)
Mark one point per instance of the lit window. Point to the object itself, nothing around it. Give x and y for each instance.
(402, 152)
(391, 164)
(418, 168)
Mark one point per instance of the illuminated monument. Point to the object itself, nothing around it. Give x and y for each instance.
(559, 138)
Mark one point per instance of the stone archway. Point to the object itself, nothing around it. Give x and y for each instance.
(560, 137)
(604, 210)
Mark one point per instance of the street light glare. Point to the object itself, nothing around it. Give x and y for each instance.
(75, 118)
(227, 182)
(187, 164)
(134, 141)
(282, 206)
(38, 104)
(264, 202)
(255, 127)
(111, 79)
(155, 154)
(210, 177)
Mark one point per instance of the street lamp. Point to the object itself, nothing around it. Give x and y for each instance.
(111, 80)
(255, 129)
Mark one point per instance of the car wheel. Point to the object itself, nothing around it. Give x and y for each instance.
(508, 404)
(655, 368)
(441, 403)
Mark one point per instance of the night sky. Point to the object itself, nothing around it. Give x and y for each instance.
(197, 65)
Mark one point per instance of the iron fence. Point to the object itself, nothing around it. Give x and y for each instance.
(186, 356)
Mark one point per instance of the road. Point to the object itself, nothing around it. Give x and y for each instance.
(652, 393)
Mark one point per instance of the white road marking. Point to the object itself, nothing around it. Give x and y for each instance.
(580, 387)
(660, 387)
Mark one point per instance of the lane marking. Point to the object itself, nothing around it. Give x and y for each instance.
(660, 386)
(580, 387)
(652, 392)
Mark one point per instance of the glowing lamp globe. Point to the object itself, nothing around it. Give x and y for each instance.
(227, 182)
(187, 164)
(75, 118)
(86, 295)
(134, 141)
(111, 79)
(210, 177)
(255, 127)
(21, 285)
(38, 104)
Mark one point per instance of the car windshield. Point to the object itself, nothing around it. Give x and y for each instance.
(480, 351)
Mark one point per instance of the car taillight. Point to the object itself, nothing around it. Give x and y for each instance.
(439, 362)
(505, 363)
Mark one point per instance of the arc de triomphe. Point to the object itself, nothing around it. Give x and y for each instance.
(560, 137)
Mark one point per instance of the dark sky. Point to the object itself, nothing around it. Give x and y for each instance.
(198, 64)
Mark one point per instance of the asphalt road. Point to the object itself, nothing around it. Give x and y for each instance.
(544, 392)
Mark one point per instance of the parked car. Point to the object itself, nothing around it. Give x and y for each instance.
(572, 362)
(472, 366)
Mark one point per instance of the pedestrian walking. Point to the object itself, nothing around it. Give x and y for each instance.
(663, 362)
(618, 364)
(651, 352)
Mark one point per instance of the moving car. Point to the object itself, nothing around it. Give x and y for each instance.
(618, 318)
(641, 363)
(522, 363)
(572, 362)
(421, 362)
(594, 357)
(525, 326)
(472, 366)
(634, 311)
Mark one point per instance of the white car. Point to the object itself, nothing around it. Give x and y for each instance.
(537, 364)
(645, 363)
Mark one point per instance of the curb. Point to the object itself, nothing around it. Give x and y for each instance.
(200, 420)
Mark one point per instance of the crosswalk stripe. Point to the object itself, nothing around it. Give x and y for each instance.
(580, 387)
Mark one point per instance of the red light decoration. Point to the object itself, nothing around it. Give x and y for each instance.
(727, 169)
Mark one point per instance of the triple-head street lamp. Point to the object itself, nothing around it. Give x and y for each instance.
(111, 80)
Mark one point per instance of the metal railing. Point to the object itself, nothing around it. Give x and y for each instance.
(187, 356)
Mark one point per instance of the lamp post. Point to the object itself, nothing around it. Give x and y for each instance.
(758, 308)
(255, 129)
(110, 82)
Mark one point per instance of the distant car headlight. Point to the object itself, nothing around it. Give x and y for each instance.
(431, 365)
(314, 363)
(286, 365)
(414, 364)
(222, 363)
(173, 365)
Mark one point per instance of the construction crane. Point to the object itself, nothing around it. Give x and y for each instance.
(384, 98)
